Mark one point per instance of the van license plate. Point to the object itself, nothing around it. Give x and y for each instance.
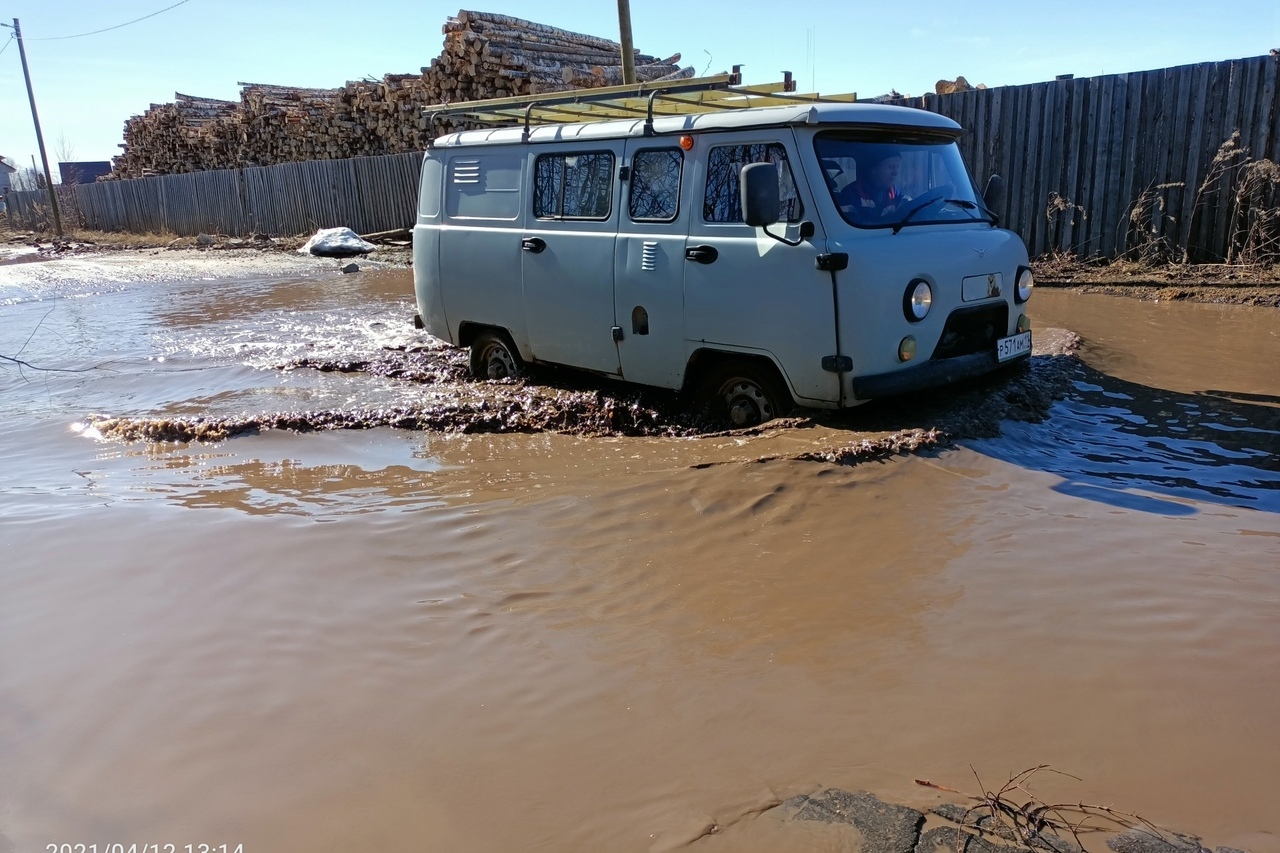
(1013, 346)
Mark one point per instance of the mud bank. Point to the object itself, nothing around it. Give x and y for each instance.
(859, 822)
(1264, 296)
(1228, 284)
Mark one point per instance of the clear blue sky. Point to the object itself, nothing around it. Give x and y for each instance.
(87, 87)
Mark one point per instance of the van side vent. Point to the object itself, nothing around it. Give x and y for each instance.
(649, 258)
(466, 171)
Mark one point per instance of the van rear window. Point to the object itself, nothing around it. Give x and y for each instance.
(573, 186)
(655, 185)
(484, 187)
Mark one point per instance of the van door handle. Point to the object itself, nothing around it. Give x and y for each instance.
(701, 254)
(533, 244)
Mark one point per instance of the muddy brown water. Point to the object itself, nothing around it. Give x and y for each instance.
(406, 640)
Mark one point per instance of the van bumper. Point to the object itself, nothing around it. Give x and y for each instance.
(930, 374)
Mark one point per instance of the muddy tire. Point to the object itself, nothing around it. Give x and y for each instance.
(743, 394)
(493, 357)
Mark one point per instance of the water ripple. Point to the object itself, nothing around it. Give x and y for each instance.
(1153, 450)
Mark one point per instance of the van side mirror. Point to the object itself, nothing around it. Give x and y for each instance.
(991, 195)
(758, 192)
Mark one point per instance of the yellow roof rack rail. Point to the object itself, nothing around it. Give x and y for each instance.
(657, 98)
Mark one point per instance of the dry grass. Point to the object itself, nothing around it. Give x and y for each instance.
(1059, 205)
(1221, 172)
(1250, 189)
(120, 240)
(114, 240)
(96, 239)
(1255, 214)
(1013, 813)
(1148, 240)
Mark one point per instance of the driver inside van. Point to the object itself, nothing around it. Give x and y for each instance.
(874, 194)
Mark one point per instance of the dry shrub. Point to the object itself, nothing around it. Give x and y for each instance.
(1252, 191)
(1059, 205)
(1227, 161)
(1019, 816)
(1255, 215)
(1147, 242)
(36, 216)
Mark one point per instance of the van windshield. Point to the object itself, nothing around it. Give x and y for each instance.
(887, 182)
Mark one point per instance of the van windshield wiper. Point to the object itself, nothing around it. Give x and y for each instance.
(973, 205)
(958, 202)
(995, 218)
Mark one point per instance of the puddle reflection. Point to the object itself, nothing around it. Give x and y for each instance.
(1151, 450)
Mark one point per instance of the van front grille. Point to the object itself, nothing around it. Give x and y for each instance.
(970, 330)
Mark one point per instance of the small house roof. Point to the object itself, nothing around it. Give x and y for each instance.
(6, 166)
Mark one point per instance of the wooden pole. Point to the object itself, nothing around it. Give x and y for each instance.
(35, 117)
(624, 36)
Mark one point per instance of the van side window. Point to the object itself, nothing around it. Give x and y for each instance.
(655, 185)
(485, 186)
(573, 186)
(721, 202)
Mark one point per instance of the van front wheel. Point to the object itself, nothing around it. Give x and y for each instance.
(492, 357)
(744, 394)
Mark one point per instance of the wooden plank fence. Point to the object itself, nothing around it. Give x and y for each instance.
(366, 194)
(1119, 164)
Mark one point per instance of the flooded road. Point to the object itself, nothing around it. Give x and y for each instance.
(419, 639)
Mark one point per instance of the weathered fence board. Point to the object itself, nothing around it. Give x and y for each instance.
(1196, 136)
(1268, 116)
(1109, 181)
(1134, 155)
(1047, 138)
(1092, 158)
(1178, 157)
(1078, 99)
(1224, 121)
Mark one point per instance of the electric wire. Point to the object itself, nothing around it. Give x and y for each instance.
(116, 27)
(6, 44)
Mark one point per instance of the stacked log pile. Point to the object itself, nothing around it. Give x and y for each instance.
(484, 56)
(496, 56)
(173, 137)
(284, 124)
(950, 87)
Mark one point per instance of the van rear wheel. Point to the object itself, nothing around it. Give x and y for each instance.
(744, 394)
(493, 357)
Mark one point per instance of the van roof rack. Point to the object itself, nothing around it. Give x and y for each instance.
(658, 98)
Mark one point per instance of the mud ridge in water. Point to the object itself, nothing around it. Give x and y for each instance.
(423, 365)
(567, 403)
(516, 410)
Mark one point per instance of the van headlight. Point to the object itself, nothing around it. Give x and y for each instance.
(1026, 283)
(917, 301)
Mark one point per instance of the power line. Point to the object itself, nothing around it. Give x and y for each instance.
(116, 27)
(6, 44)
